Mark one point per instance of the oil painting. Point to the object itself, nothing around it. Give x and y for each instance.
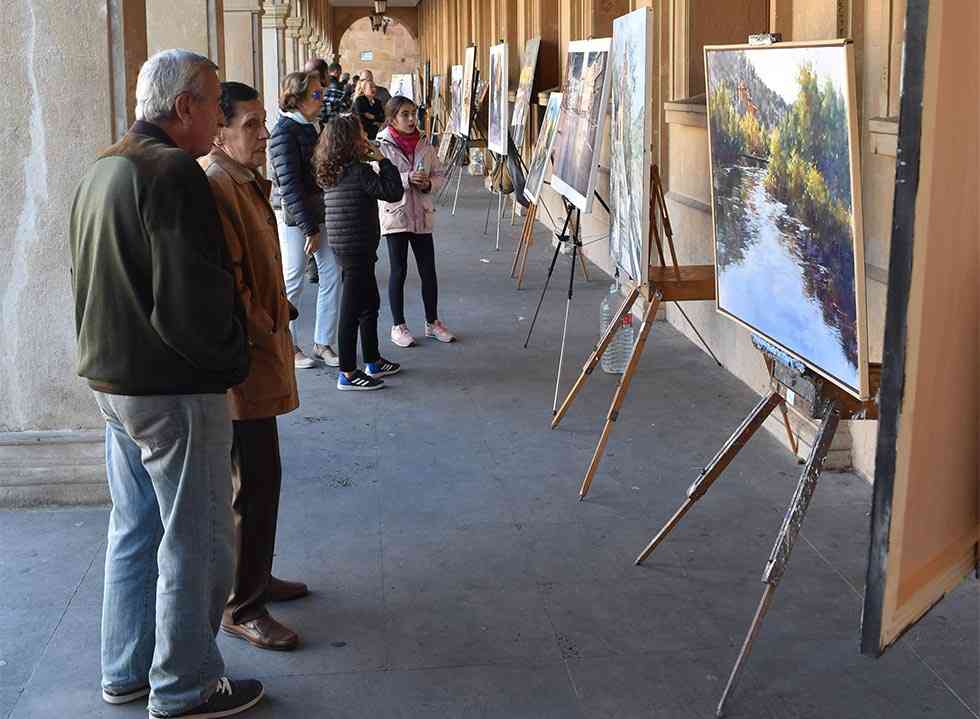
(579, 141)
(786, 203)
(497, 136)
(537, 171)
(631, 129)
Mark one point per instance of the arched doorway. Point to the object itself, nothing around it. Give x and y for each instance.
(395, 51)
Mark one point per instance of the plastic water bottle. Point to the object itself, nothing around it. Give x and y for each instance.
(617, 354)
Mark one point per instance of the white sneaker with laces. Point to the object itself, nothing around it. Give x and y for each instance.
(401, 336)
(327, 355)
(301, 361)
(439, 331)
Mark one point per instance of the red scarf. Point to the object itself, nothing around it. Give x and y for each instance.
(407, 143)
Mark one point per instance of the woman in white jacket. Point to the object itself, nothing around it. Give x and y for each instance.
(409, 222)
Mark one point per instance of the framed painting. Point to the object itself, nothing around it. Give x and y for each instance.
(786, 201)
(403, 84)
(522, 101)
(537, 170)
(498, 116)
(455, 97)
(585, 95)
(631, 136)
(466, 96)
(435, 99)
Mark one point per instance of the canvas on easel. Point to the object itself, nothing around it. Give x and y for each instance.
(585, 96)
(631, 136)
(467, 88)
(497, 133)
(522, 101)
(403, 84)
(784, 150)
(455, 98)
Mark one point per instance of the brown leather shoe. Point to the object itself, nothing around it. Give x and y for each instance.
(264, 633)
(282, 591)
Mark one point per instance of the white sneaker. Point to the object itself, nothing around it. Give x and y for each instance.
(327, 355)
(301, 361)
(401, 336)
(438, 330)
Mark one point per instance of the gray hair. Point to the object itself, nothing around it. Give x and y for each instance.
(165, 76)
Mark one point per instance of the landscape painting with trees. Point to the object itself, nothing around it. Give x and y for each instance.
(630, 138)
(788, 243)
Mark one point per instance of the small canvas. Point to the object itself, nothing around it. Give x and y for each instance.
(455, 98)
(402, 84)
(522, 102)
(583, 113)
(466, 106)
(786, 201)
(631, 135)
(537, 171)
(497, 136)
(436, 101)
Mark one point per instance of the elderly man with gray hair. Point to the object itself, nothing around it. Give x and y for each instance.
(161, 337)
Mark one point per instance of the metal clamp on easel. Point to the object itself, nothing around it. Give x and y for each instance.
(817, 398)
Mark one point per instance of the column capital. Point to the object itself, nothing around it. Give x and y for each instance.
(295, 27)
(249, 6)
(274, 14)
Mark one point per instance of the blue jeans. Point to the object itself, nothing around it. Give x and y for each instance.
(292, 243)
(170, 560)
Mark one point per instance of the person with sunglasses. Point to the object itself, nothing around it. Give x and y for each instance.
(299, 202)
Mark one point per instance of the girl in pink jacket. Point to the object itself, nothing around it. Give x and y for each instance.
(409, 221)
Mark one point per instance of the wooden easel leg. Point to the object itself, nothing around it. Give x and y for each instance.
(788, 533)
(793, 443)
(597, 352)
(621, 390)
(716, 466)
(532, 215)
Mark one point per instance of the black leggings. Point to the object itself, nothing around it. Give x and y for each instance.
(425, 258)
(359, 305)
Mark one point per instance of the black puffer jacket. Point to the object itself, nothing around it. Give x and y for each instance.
(351, 207)
(294, 188)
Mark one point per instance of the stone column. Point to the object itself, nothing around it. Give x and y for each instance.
(294, 34)
(51, 433)
(273, 54)
(243, 42)
(196, 25)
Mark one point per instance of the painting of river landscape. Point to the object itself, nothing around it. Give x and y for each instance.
(786, 203)
(631, 128)
(498, 135)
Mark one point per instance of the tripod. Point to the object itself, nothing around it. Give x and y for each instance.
(563, 239)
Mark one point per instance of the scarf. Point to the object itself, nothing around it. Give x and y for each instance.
(406, 143)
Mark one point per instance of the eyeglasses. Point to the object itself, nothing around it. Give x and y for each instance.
(317, 94)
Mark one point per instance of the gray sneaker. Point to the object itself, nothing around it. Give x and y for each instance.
(125, 696)
(230, 698)
(325, 354)
(301, 361)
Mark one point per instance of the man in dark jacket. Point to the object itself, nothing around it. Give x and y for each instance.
(160, 340)
(334, 94)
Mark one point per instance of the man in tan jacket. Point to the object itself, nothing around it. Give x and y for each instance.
(249, 224)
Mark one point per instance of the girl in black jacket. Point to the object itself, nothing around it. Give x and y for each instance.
(351, 190)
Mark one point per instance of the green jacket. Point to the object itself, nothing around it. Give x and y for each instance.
(156, 311)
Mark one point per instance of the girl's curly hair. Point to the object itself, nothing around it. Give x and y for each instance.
(341, 142)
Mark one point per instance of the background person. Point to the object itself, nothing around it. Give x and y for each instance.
(351, 190)
(409, 223)
(382, 92)
(249, 224)
(295, 191)
(160, 339)
(369, 108)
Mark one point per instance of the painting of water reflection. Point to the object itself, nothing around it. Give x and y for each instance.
(786, 201)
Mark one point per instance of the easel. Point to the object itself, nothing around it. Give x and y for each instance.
(457, 161)
(519, 265)
(664, 284)
(818, 398)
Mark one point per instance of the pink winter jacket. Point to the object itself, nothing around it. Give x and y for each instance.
(415, 212)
